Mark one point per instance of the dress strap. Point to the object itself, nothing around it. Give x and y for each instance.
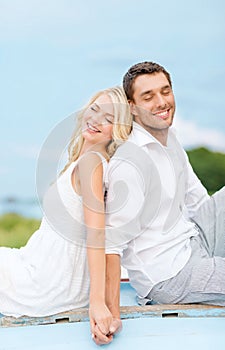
(104, 164)
(100, 155)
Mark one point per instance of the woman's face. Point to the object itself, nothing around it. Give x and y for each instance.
(97, 124)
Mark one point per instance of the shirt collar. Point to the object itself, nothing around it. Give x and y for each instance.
(142, 137)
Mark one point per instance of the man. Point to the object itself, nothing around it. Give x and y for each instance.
(161, 223)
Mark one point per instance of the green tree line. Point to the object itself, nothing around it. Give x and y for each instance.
(209, 167)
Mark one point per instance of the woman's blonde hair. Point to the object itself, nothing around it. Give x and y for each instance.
(122, 124)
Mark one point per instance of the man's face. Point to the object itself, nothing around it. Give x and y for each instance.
(153, 104)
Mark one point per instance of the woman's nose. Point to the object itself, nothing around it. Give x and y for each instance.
(97, 118)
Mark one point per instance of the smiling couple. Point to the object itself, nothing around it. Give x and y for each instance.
(127, 195)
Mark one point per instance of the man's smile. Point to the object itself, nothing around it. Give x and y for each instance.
(162, 114)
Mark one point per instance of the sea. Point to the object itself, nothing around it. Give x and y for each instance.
(28, 207)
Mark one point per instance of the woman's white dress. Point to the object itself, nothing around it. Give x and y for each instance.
(50, 274)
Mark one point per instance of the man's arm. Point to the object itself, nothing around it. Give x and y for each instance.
(112, 299)
(112, 293)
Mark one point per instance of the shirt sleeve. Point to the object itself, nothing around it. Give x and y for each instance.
(196, 193)
(124, 202)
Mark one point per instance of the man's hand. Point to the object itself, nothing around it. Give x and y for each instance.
(116, 326)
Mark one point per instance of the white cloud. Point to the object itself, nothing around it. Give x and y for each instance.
(192, 135)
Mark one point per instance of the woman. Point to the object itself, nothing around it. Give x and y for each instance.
(51, 273)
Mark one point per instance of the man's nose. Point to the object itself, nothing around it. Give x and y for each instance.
(160, 100)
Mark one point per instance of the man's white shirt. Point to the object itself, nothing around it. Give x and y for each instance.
(152, 192)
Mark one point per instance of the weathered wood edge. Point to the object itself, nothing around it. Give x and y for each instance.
(127, 312)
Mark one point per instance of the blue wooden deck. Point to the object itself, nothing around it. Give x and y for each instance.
(157, 326)
(141, 333)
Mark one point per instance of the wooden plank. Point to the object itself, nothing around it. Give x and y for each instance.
(129, 310)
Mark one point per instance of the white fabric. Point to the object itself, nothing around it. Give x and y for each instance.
(50, 274)
(156, 249)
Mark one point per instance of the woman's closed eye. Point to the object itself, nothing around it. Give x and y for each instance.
(93, 108)
(109, 119)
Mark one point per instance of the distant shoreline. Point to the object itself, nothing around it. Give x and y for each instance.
(209, 166)
(28, 208)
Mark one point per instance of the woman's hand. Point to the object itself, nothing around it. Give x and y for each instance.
(100, 322)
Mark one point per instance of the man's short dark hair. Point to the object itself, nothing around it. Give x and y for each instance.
(141, 69)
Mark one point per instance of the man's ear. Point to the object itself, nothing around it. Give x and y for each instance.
(132, 108)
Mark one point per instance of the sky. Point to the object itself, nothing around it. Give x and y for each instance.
(55, 54)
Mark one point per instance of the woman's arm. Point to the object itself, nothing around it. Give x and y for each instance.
(90, 171)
